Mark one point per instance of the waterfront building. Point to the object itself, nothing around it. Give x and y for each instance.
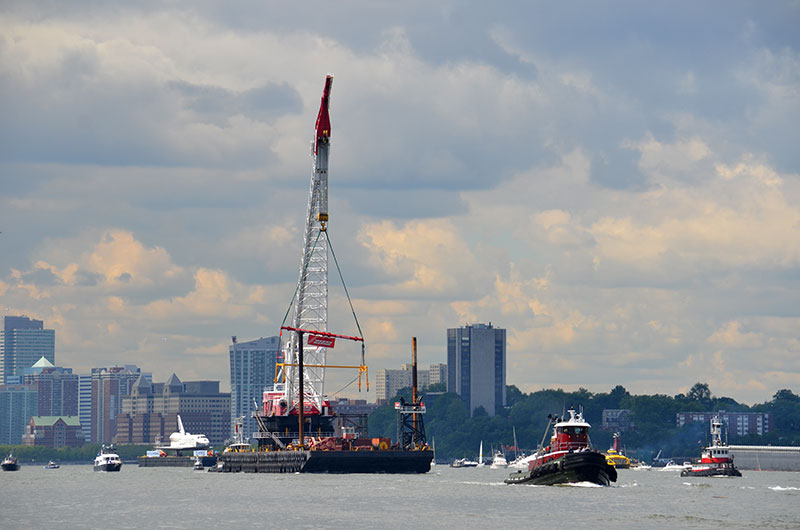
(57, 387)
(252, 365)
(17, 404)
(388, 381)
(23, 341)
(150, 413)
(476, 366)
(618, 420)
(53, 431)
(109, 386)
(736, 423)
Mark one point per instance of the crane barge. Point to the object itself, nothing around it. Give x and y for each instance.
(296, 421)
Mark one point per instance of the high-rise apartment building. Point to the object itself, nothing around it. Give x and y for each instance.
(17, 404)
(150, 412)
(252, 370)
(388, 382)
(109, 386)
(476, 366)
(57, 387)
(23, 341)
(85, 405)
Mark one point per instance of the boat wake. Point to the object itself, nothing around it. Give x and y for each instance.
(781, 488)
(475, 483)
(584, 484)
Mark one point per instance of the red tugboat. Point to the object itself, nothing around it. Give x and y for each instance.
(715, 461)
(568, 458)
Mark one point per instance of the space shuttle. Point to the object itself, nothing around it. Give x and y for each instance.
(182, 440)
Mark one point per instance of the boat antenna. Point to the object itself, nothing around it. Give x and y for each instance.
(550, 419)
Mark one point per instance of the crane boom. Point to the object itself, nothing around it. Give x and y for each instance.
(310, 310)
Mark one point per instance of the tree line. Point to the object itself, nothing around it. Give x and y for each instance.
(85, 453)
(457, 434)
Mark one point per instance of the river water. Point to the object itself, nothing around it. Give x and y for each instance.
(76, 497)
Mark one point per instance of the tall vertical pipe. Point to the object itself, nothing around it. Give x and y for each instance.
(414, 383)
(301, 405)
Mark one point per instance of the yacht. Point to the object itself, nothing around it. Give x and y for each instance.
(107, 459)
(463, 462)
(499, 461)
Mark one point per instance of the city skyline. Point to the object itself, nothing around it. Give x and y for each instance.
(617, 186)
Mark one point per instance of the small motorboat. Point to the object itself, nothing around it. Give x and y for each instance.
(198, 464)
(672, 466)
(10, 463)
(52, 465)
(463, 462)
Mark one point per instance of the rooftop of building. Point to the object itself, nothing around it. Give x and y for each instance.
(43, 363)
(71, 421)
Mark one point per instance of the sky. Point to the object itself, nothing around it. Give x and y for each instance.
(615, 184)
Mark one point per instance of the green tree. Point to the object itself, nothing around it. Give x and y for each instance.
(700, 393)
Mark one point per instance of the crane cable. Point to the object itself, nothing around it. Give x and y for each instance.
(338, 269)
(335, 261)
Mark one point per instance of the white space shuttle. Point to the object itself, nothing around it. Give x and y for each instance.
(182, 440)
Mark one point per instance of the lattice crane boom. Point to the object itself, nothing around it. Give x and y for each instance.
(310, 310)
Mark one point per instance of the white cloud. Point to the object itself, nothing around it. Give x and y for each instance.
(157, 164)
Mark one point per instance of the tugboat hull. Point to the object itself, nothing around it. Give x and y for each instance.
(11, 467)
(572, 467)
(712, 472)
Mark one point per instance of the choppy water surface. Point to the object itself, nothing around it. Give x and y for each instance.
(77, 497)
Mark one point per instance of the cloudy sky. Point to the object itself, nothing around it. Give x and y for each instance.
(616, 184)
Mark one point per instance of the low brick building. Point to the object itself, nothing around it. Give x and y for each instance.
(53, 431)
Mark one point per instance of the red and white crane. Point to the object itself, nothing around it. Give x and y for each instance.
(300, 374)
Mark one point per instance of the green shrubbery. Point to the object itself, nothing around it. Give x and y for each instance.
(458, 435)
(85, 453)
